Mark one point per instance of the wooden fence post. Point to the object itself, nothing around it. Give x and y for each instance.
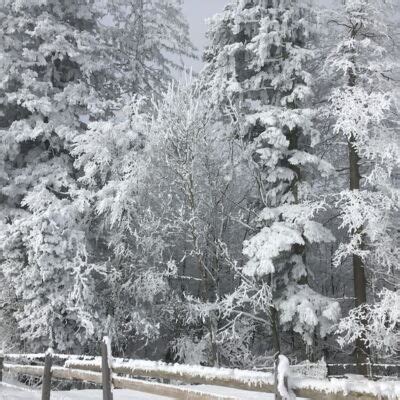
(46, 382)
(106, 370)
(369, 369)
(276, 363)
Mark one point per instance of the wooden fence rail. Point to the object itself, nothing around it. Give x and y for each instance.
(103, 376)
(255, 381)
(176, 392)
(107, 372)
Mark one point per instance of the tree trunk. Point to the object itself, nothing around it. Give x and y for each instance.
(275, 329)
(1, 366)
(360, 283)
(213, 330)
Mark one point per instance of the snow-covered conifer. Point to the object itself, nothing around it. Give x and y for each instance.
(258, 57)
(50, 66)
(150, 41)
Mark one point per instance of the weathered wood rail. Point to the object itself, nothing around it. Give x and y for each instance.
(123, 374)
(118, 382)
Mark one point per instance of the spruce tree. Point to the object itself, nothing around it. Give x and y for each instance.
(258, 56)
(50, 69)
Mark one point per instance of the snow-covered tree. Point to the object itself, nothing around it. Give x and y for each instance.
(145, 39)
(64, 64)
(49, 63)
(115, 164)
(161, 42)
(364, 106)
(165, 193)
(257, 57)
(194, 163)
(377, 323)
(197, 221)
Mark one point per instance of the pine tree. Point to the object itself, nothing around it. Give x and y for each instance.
(258, 54)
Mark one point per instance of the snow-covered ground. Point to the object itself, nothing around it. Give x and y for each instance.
(15, 393)
(236, 393)
(9, 392)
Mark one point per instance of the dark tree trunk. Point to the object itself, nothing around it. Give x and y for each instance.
(360, 282)
(275, 329)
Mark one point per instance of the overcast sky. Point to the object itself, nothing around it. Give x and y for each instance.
(197, 11)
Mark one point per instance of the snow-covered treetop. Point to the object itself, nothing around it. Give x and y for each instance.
(161, 42)
(364, 105)
(247, 40)
(365, 45)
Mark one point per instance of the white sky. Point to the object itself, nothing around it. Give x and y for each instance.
(197, 11)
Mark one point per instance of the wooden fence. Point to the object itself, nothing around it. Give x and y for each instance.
(110, 372)
(104, 376)
(374, 370)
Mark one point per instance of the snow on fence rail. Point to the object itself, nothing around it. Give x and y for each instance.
(90, 369)
(239, 379)
(374, 370)
(41, 356)
(104, 377)
(312, 388)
